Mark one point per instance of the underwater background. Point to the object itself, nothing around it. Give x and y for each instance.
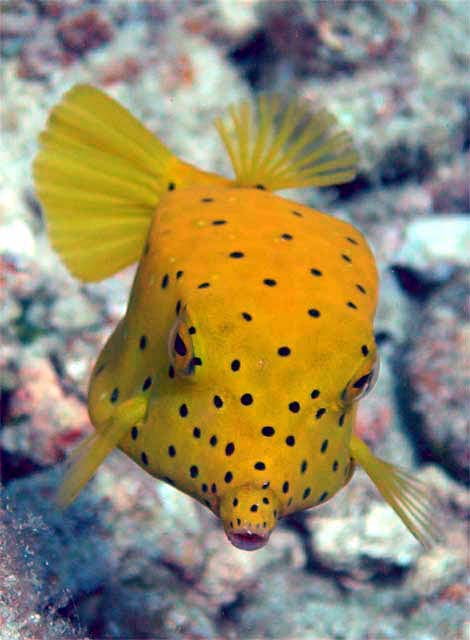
(132, 558)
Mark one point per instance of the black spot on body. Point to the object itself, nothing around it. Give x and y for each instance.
(320, 413)
(246, 316)
(171, 186)
(341, 420)
(265, 485)
(290, 441)
(179, 274)
(171, 451)
(246, 399)
(144, 458)
(228, 477)
(303, 466)
(261, 187)
(351, 240)
(294, 407)
(316, 272)
(165, 280)
(214, 487)
(237, 254)
(229, 449)
(346, 258)
(364, 350)
(218, 402)
(269, 282)
(183, 411)
(203, 285)
(315, 393)
(196, 362)
(283, 351)
(286, 236)
(285, 487)
(143, 342)
(192, 330)
(324, 446)
(193, 471)
(134, 433)
(351, 305)
(207, 199)
(314, 313)
(217, 223)
(297, 213)
(171, 371)
(213, 441)
(235, 365)
(323, 496)
(360, 288)
(178, 307)
(114, 395)
(265, 500)
(259, 466)
(196, 432)
(335, 465)
(204, 487)
(268, 431)
(306, 493)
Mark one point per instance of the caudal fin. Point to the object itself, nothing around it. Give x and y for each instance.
(99, 175)
(276, 143)
(408, 497)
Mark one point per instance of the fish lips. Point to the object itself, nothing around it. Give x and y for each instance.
(246, 539)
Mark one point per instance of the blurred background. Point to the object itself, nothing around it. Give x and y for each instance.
(133, 558)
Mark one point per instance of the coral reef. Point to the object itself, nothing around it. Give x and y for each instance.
(133, 558)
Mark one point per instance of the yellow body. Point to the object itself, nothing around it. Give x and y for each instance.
(248, 336)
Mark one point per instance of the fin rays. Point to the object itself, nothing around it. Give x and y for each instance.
(408, 497)
(280, 144)
(87, 457)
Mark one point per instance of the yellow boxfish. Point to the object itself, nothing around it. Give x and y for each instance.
(248, 338)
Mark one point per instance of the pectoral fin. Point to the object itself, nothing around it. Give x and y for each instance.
(408, 497)
(88, 456)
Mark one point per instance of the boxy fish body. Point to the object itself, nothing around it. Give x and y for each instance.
(248, 338)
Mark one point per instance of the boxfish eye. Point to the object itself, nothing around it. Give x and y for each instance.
(181, 348)
(362, 382)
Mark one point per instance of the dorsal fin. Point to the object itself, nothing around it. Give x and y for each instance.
(278, 143)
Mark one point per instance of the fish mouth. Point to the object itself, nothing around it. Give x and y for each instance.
(247, 540)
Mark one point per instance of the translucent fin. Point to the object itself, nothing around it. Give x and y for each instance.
(88, 456)
(99, 175)
(408, 497)
(277, 143)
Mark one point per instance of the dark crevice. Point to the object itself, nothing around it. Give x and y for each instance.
(413, 422)
(414, 283)
(17, 466)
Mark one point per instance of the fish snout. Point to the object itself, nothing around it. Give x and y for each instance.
(249, 515)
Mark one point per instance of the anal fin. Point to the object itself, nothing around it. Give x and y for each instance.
(407, 496)
(88, 456)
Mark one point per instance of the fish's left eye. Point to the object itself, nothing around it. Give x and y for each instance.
(181, 348)
(362, 382)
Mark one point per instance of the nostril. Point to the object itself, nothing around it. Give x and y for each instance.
(247, 540)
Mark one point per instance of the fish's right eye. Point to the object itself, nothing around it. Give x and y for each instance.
(362, 382)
